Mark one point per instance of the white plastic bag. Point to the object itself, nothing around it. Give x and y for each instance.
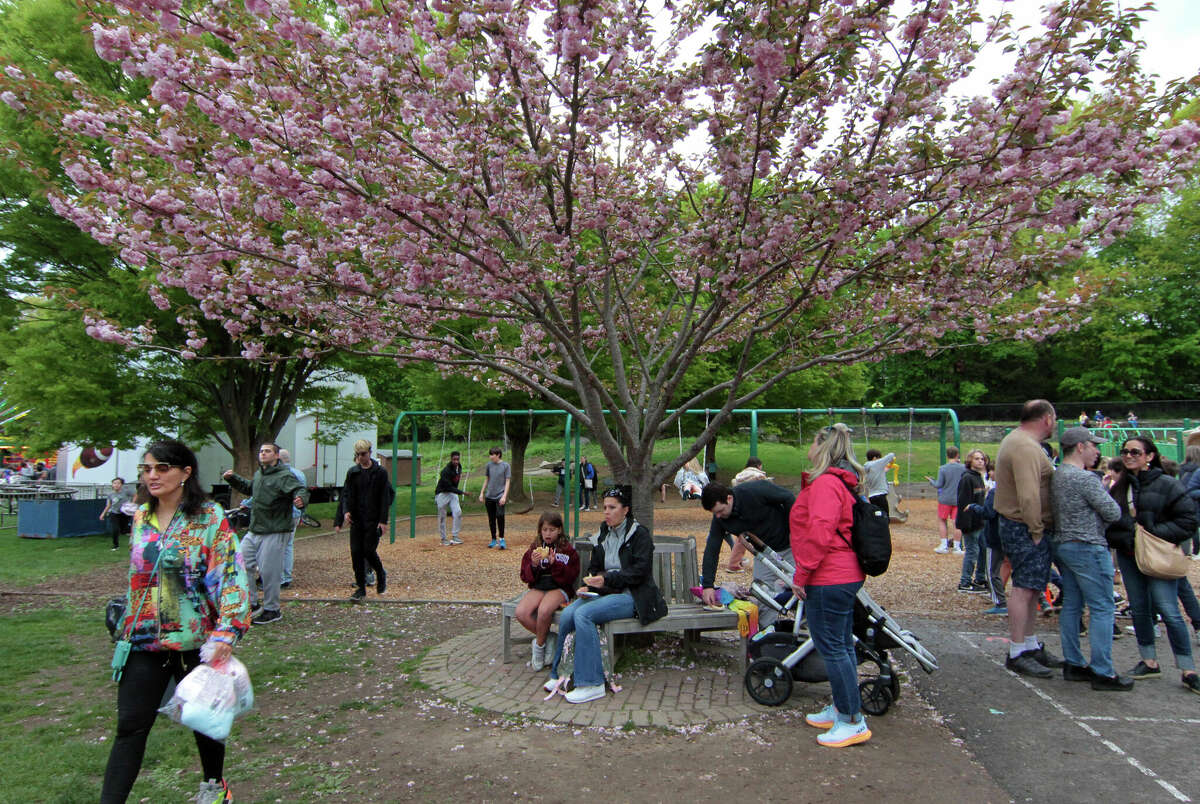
(209, 698)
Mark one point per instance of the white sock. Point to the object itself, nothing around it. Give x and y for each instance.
(1015, 649)
(1031, 643)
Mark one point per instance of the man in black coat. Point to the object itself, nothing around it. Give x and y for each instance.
(760, 507)
(366, 498)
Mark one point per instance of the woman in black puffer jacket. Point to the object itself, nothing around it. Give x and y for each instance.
(1160, 505)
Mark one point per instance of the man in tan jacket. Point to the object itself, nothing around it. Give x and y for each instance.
(1023, 472)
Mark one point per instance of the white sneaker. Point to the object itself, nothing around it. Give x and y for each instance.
(538, 661)
(585, 694)
(550, 684)
(941, 548)
(958, 550)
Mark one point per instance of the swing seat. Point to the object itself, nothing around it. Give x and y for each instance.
(894, 513)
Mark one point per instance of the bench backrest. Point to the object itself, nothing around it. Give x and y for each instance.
(675, 568)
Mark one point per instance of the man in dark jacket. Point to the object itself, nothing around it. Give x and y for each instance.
(275, 491)
(760, 507)
(366, 498)
(446, 495)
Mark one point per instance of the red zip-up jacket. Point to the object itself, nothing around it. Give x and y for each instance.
(820, 530)
(563, 569)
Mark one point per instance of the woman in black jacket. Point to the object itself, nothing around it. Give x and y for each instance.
(971, 492)
(1157, 502)
(619, 584)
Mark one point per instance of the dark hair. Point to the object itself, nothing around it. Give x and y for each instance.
(1170, 467)
(118, 477)
(495, 451)
(712, 494)
(753, 463)
(270, 444)
(1035, 409)
(951, 452)
(456, 452)
(551, 518)
(873, 453)
(1147, 447)
(178, 454)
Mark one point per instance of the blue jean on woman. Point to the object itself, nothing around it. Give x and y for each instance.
(1087, 577)
(582, 617)
(974, 565)
(1147, 595)
(830, 612)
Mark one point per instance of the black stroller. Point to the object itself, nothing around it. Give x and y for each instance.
(784, 652)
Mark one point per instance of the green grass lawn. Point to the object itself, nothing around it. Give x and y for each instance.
(30, 561)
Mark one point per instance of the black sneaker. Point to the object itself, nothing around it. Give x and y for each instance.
(285, 585)
(1073, 672)
(1026, 665)
(965, 587)
(381, 587)
(978, 588)
(267, 616)
(1045, 658)
(1192, 682)
(1143, 670)
(1116, 683)
(357, 595)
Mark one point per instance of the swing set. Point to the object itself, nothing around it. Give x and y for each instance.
(572, 436)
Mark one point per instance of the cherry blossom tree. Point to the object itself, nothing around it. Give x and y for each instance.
(617, 189)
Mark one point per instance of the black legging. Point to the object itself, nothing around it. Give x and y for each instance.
(139, 695)
(364, 549)
(495, 512)
(118, 523)
(880, 502)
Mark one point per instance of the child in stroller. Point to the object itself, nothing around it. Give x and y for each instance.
(784, 653)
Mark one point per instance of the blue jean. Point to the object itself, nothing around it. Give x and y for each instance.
(974, 564)
(1087, 578)
(830, 611)
(1147, 595)
(1187, 599)
(289, 553)
(582, 617)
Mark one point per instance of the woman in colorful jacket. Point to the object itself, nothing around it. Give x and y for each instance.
(828, 578)
(197, 595)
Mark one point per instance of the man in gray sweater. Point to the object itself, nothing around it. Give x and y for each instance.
(949, 474)
(1082, 510)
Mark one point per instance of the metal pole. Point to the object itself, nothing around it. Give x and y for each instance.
(395, 476)
(566, 476)
(412, 494)
(754, 434)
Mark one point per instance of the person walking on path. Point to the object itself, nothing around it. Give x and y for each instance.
(828, 578)
(289, 551)
(587, 485)
(494, 494)
(949, 474)
(1025, 521)
(1157, 502)
(972, 491)
(1082, 511)
(446, 495)
(274, 491)
(366, 496)
(113, 514)
(187, 588)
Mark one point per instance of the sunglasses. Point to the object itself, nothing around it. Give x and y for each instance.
(160, 468)
(1132, 453)
(617, 494)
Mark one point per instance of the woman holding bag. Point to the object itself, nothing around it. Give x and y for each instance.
(187, 587)
(1156, 501)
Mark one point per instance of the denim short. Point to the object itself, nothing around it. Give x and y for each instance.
(1030, 562)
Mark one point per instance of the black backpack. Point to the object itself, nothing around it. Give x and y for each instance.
(871, 537)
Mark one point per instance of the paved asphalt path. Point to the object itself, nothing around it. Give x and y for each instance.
(1053, 740)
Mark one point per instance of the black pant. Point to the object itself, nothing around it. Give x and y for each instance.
(880, 501)
(139, 695)
(495, 512)
(364, 549)
(118, 523)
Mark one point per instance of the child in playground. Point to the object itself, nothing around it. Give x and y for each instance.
(949, 475)
(549, 567)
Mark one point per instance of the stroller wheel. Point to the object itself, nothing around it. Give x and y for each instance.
(876, 696)
(768, 681)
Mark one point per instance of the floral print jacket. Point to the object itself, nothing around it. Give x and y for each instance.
(199, 590)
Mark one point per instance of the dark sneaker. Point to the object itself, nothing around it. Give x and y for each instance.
(1143, 670)
(1026, 665)
(1116, 683)
(381, 587)
(357, 595)
(285, 585)
(1046, 659)
(965, 587)
(1192, 682)
(1073, 672)
(267, 616)
(979, 588)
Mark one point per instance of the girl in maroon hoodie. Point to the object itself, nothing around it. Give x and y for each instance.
(828, 578)
(550, 566)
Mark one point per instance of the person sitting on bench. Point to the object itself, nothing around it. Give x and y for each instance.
(619, 584)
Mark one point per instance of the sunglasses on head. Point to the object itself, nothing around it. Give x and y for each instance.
(617, 494)
(1132, 453)
(161, 468)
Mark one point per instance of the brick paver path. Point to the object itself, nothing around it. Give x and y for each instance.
(470, 670)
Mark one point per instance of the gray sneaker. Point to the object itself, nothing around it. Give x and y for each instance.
(213, 792)
(1027, 665)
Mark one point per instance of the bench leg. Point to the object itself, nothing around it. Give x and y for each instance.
(506, 630)
(609, 649)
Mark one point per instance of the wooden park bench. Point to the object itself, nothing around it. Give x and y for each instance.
(675, 571)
